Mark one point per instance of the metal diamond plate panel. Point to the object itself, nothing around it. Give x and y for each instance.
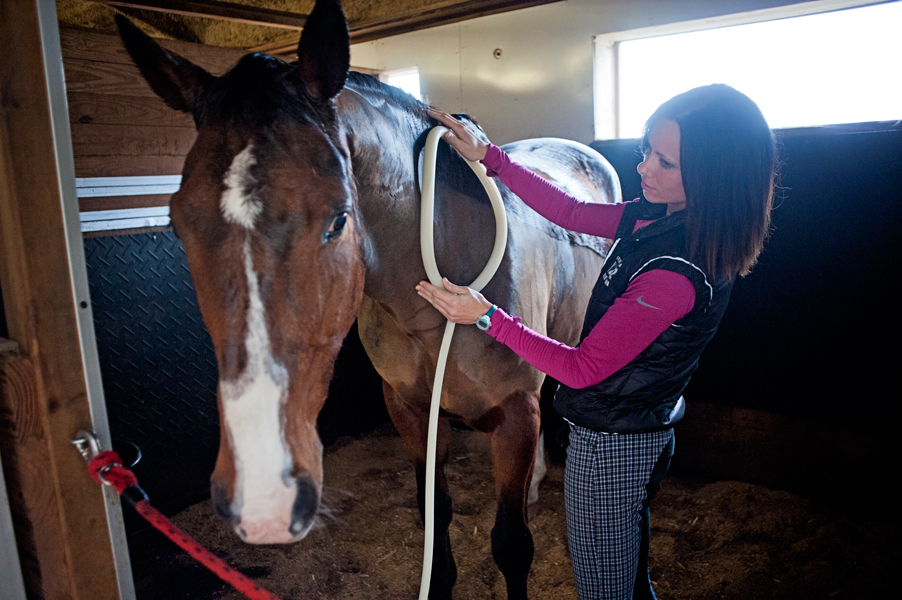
(159, 370)
(157, 362)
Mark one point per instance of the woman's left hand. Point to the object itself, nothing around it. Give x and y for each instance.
(460, 136)
(458, 303)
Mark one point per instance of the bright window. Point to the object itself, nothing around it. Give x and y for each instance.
(407, 79)
(835, 67)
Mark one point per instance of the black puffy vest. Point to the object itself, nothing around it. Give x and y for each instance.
(647, 394)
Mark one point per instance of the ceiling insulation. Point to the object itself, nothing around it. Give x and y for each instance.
(272, 25)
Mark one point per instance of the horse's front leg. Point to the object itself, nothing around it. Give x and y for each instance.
(514, 434)
(413, 425)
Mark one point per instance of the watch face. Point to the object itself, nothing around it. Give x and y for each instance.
(484, 322)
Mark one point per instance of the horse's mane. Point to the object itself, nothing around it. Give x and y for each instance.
(255, 91)
(395, 94)
(455, 171)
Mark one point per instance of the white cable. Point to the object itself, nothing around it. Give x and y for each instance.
(427, 205)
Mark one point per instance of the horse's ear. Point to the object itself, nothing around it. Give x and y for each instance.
(324, 52)
(178, 81)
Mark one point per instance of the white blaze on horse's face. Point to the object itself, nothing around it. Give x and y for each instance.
(237, 206)
(273, 246)
(253, 402)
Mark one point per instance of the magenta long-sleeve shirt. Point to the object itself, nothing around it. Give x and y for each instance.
(652, 302)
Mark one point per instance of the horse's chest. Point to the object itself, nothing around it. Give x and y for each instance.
(396, 355)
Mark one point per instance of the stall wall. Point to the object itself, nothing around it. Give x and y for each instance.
(541, 85)
(120, 128)
(793, 391)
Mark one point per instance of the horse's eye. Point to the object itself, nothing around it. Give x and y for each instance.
(336, 226)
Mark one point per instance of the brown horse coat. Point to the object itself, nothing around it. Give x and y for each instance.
(298, 211)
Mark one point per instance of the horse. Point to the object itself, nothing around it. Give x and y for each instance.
(298, 212)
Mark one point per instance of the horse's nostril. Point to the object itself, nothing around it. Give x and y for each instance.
(222, 504)
(305, 506)
(241, 533)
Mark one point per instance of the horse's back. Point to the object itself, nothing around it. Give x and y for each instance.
(576, 168)
(546, 278)
(554, 269)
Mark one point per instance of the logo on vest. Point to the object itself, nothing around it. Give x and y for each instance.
(609, 274)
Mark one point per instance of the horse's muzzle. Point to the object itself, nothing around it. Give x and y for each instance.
(271, 529)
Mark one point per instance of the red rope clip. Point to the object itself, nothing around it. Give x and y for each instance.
(106, 468)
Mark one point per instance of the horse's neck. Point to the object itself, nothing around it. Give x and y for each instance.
(382, 136)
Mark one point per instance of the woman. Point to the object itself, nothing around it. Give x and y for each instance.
(707, 181)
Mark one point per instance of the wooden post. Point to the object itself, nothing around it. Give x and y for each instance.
(11, 585)
(60, 516)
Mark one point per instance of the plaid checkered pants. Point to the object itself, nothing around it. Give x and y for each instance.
(604, 489)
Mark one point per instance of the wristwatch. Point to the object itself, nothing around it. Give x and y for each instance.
(485, 321)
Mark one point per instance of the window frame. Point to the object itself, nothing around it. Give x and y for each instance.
(606, 76)
(385, 75)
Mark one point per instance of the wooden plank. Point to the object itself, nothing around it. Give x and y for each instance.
(72, 554)
(105, 78)
(223, 11)
(26, 458)
(103, 47)
(12, 586)
(111, 109)
(126, 166)
(120, 202)
(131, 140)
(8, 345)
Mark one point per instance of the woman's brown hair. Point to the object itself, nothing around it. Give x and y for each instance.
(728, 165)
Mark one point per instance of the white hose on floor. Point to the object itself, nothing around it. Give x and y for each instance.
(427, 205)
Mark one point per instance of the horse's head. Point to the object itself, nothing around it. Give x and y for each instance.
(268, 219)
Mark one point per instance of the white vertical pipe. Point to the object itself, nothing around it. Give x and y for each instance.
(427, 248)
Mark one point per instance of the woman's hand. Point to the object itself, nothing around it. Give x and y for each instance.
(460, 136)
(459, 303)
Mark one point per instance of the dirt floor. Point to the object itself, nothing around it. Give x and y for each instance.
(726, 540)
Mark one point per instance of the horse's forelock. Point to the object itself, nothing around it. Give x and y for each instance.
(260, 90)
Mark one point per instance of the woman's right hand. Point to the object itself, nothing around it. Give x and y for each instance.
(461, 138)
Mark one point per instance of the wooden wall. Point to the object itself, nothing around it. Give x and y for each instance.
(59, 515)
(120, 128)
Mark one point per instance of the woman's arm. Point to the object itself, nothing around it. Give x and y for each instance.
(542, 196)
(651, 304)
(550, 201)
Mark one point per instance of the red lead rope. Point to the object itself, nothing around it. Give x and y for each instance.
(107, 468)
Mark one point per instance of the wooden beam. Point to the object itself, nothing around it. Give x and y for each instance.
(223, 11)
(441, 13)
(127, 166)
(433, 15)
(12, 586)
(60, 515)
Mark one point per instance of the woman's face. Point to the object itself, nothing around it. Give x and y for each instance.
(662, 180)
